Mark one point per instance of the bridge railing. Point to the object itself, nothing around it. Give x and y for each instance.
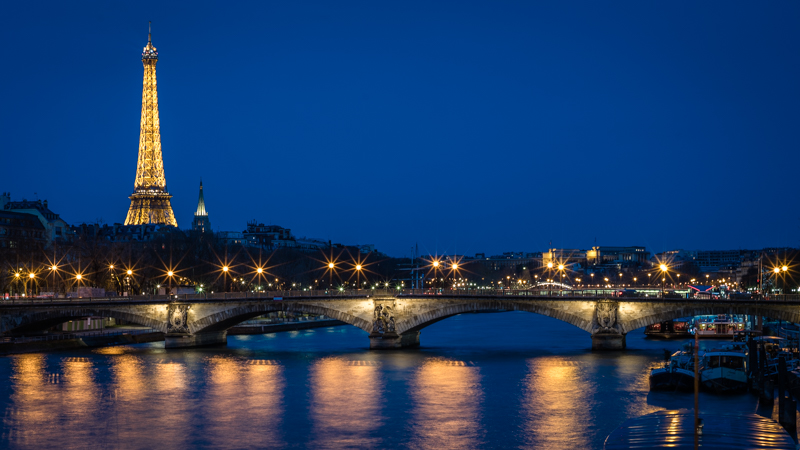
(350, 293)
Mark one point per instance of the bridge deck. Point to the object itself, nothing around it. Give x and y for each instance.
(574, 295)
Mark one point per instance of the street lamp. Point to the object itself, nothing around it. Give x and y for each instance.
(664, 269)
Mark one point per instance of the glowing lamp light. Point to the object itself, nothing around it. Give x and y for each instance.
(455, 266)
(436, 264)
(776, 270)
(224, 268)
(169, 274)
(358, 266)
(111, 266)
(330, 265)
(32, 276)
(560, 267)
(130, 272)
(16, 275)
(78, 276)
(54, 268)
(259, 270)
(663, 267)
(549, 265)
(784, 268)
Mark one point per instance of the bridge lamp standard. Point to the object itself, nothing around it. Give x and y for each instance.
(561, 285)
(32, 278)
(664, 269)
(358, 275)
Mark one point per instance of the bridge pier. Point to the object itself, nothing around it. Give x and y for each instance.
(393, 340)
(608, 341)
(185, 340)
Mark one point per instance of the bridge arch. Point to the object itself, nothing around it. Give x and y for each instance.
(657, 313)
(31, 321)
(225, 319)
(420, 321)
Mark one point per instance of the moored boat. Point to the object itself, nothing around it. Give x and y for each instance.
(668, 329)
(724, 369)
(677, 374)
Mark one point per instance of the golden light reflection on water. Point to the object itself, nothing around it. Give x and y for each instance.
(347, 402)
(80, 391)
(447, 401)
(32, 412)
(557, 403)
(244, 403)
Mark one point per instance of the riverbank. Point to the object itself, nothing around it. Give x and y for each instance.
(92, 340)
(14, 348)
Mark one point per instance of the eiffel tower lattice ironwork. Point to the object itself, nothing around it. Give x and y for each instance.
(150, 199)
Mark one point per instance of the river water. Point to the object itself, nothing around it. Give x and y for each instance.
(502, 380)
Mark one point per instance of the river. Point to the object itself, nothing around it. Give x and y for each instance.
(502, 380)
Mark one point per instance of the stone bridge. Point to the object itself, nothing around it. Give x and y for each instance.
(391, 320)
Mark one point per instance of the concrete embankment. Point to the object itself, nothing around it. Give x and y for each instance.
(291, 326)
(82, 342)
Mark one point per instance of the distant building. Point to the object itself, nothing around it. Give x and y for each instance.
(56, 229)
(201, 221)
(230, 237)
(714, 260)
(19, 230)
(510, 259)
(563, 256)
(268, 236)
(123, 233)
(617, 255)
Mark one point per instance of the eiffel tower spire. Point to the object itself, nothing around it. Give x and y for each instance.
(150, 199)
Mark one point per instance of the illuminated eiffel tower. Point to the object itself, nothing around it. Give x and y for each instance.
(150, 199)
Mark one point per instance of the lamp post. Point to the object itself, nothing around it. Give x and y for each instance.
(561, 285)
(169, 282)
(32, 277)
(53, 270)
(664, 269)
(784, 269)
(435, 265)
(358, 276)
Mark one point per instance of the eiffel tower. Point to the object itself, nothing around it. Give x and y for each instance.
(150, 199)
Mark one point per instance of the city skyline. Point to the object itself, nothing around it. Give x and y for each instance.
(374, 151)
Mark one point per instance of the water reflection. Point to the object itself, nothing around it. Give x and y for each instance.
(243, 403)
(31, 412)
(557, 404)
(347, 400)
(447, 397)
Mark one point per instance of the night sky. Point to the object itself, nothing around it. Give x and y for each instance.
(464, 127)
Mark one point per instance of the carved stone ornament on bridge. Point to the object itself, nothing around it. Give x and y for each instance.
(606, 317)
(383, 320)
(177, 318)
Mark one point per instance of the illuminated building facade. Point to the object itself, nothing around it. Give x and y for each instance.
(150, 201)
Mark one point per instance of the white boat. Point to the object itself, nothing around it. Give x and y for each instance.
(724, 369)
(721, 326)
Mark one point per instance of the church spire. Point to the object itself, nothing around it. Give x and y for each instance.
(201, 222)
(201, 203)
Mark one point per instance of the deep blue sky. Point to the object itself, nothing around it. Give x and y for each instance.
(466, 127)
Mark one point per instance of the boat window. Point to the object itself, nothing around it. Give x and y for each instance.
(732, 362)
